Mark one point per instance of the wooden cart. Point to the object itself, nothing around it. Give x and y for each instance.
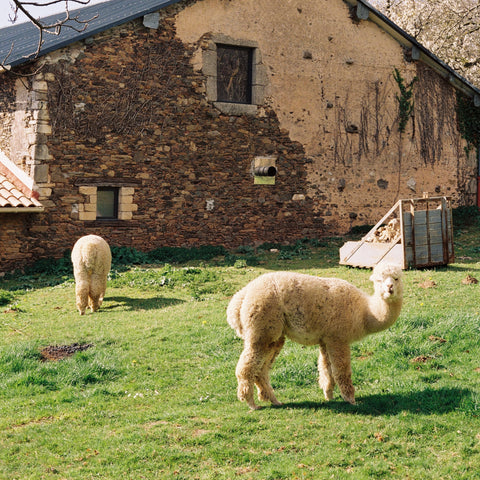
(416, 233)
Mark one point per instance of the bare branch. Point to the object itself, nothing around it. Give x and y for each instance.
(449, 28)
(55, 28)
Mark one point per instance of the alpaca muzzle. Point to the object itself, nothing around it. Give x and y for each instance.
(388, 288)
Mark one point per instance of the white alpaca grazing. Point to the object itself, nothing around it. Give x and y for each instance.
(328, 312)
(91, 258)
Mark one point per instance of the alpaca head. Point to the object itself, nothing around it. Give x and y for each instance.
(387, 281)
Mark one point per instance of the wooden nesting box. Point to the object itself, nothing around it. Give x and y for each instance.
(415, 233)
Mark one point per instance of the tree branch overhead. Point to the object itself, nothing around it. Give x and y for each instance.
(64, 20)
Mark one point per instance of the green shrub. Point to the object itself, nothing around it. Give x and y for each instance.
(181, 255)
(465, 215)
(127, 256)
(51, 266)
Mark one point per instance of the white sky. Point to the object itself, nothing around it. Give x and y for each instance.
(6, 10)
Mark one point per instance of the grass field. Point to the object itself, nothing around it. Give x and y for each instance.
(154, 395)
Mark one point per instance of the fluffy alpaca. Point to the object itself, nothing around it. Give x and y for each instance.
(328, 312)
(91, 258)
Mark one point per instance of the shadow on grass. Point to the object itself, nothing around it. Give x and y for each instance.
(129, 303)
(428, 401)
(465, 267)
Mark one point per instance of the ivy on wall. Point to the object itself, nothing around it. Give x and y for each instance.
(405, 101)
(468, 116)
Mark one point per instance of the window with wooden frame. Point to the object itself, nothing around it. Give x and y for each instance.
(107, 203)
(234, 74)
(236, 78)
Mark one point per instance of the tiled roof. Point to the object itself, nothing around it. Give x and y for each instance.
(12, 197)
(16, 189)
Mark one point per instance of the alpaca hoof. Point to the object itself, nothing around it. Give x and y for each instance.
(270, 398)
(328, 396)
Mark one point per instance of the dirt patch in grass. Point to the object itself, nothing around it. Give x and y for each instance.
(427, 284)
(54, 353)
(469, 280)
(434, 338)
(421, 359)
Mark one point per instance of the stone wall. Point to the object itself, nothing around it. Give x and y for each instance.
(7, 112)
(331, 85)
(142, 122)
(130, 108)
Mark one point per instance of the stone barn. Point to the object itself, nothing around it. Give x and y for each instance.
(215, 122)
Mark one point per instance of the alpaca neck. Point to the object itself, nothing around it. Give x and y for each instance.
(382, 314)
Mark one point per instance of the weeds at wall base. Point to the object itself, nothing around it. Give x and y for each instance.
(124, 257)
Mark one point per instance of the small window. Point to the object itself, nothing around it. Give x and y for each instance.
(107, 203)
(234, 74)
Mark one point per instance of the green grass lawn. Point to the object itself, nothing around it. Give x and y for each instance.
(155, 396)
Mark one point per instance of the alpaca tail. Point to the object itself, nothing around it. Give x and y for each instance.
(89, 258)
(233, 312)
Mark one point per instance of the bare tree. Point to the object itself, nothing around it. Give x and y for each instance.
(448, 28)
(25, 7)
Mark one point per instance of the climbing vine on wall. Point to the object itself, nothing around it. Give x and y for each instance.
(371, 132)
(128, 97)
(436, 126)
(468, 116)
(405, 101)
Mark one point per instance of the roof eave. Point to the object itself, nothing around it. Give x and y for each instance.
(22, 209)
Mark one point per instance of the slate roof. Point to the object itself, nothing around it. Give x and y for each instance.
(24, 36)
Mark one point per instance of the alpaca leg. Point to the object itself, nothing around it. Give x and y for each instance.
(248, 370)
(97, 292)
(81, 294)
(265, 389)
(325, 376)
(93, 302)
(339, 355)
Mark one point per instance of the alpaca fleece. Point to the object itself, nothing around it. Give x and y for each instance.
(92, 259)
(328, 312)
